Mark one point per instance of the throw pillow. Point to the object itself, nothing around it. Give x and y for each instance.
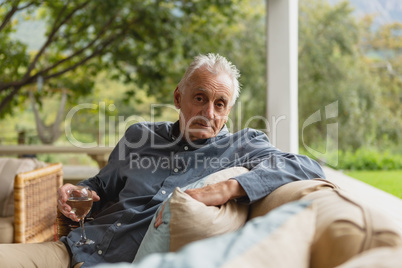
(185, 219)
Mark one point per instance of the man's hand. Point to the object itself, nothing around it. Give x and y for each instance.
(62, 199)
(212, 195)
(218, 193)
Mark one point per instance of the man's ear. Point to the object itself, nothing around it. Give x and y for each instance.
(177, 98)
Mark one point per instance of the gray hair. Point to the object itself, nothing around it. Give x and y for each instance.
(215, 64)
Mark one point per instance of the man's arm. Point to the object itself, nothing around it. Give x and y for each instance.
(212, 195)
(271, 168)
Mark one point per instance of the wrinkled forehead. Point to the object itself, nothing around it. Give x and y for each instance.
(203, 79)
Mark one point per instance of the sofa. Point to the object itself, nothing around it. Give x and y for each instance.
(28, 200)
(314, 223)
(318, 223)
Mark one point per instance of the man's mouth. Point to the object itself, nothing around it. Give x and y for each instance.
(202, 124)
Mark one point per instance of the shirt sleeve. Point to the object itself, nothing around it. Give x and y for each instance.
(271, 168)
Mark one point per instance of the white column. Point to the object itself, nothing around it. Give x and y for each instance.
(282, 86)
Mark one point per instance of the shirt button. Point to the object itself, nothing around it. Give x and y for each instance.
(176, 170)
(118, 224)
(163, 192)
(185, 148)
(100, 252)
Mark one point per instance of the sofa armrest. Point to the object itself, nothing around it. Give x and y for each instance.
(35, 202)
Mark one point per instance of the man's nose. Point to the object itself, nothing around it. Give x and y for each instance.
(208, 111)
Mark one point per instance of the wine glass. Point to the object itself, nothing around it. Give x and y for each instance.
(80, 201)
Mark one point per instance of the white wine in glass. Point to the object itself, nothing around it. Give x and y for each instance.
(80, 201)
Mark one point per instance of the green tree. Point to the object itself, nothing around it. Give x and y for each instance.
(249, 54)
(332, 68)
(144, 40)
(241, 38)
(383, 48)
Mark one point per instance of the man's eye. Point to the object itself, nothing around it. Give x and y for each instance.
(199, 99)
(220, 105)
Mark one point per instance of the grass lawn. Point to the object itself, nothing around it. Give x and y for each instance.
(387, 180)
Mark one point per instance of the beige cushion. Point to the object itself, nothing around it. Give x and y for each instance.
(192, 220)
(9, 168)
(345, 226)
(6, 230)
(287, 193)
(385, 257)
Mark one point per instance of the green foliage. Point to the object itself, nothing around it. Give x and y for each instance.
(145, 46)
(334, 67)
(249, 55)
(366, 159)
(145, 41)
(386, 42)
(331, 70)
(70, 159)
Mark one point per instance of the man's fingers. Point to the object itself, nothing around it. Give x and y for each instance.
(62, 191)
(158, 220)
(209, 195)
(218, 193)
(62, 199)
(66, 210)
(63, 206)
(95, 196)
(62, 196)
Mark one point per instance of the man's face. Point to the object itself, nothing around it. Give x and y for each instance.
(204, 104)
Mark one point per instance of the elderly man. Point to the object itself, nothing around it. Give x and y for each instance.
(152, 159)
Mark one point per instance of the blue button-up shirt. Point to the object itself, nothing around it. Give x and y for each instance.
(151, 160)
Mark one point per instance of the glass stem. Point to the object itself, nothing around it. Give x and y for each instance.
(83, 235)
